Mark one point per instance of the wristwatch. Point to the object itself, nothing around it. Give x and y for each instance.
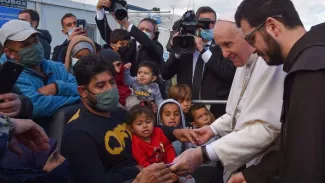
(205, 154)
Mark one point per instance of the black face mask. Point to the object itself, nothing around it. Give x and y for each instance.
(156, 36)
(122, 50)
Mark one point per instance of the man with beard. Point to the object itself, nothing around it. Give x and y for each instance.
(252, 119)
(276, 31)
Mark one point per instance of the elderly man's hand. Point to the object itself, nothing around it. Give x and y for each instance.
(186, 135)
(30, 134)
(11, 105)
(205, 134)
(187, 162)
(237, 178)
(155, 173)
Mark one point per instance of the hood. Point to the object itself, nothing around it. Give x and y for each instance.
(45, 35)
(314, 37)
(182, 124)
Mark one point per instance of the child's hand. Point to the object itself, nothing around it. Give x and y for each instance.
(128, 65)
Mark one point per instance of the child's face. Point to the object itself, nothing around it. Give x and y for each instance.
(117, 66)
(202, 117)
(142, 127)
(145, 76)
(186, 104)
(119, 44)
(171, 115)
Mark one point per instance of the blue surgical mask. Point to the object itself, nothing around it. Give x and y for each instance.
(32, 56)
(207, 34)
(70, 31)
(74, 61)
(148, 34)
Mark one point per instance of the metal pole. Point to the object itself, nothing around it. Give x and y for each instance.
(209, 101)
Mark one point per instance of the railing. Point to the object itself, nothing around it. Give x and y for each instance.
(209, 101)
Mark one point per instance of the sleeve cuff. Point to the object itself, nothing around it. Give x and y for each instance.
(214, 130)
(211, 153)
(130, 27)
(178, 56)
(206, 56)
(100, 14)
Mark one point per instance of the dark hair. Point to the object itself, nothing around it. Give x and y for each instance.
(136, 111)
(119, 35)
(33, 15)
(194, 108)
(257, 11)
(150, 20)
(67, 15)
(151, 65)
(180, 92)
(89, 66)
(205, 9)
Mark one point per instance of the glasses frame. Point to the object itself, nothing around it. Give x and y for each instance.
(249, 36)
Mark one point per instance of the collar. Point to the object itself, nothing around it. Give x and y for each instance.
(251, 60)
(45, 67)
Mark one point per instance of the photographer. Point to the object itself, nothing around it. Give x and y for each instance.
(206, 71)
(70, 29)
(144, 48)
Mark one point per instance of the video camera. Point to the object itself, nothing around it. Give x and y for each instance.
(119, 8)
(184, 43)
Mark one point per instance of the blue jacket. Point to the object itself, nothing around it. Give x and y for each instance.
(30, 81)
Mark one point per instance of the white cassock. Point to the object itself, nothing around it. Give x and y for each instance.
(251, 122)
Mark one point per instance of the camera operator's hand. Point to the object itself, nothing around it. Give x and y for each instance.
(103, 3)
(124, 23)
(199, 43)
(171, 40)
(77, 32)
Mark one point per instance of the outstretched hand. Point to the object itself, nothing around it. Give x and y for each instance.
(186, 135)
(205, 134)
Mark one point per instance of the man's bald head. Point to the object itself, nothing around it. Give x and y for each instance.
(231, 40)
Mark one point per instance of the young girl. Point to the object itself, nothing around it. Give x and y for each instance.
(170, 114)
(149, 144)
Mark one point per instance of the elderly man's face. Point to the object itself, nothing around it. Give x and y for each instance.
(13, 47)
(232, 42)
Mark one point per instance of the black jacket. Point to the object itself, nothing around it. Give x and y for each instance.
(217, 77)
(303, 118)
(60, 51)
(148, 51)
(45, 39)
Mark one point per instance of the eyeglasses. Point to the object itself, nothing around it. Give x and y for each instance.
(249, 37)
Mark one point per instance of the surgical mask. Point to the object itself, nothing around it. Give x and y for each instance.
(207, 34)
(107, 101)
(32, 56)
(70, 31)
(74, 61)
(123, 50)
(148, 34)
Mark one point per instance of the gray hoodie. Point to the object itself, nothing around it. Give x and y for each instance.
(178, 146)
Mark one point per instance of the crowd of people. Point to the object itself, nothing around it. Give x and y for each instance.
(101, 113)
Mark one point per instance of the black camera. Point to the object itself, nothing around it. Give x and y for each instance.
(184, 43)
(119, 8)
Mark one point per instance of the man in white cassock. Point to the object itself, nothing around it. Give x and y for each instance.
(251, 125)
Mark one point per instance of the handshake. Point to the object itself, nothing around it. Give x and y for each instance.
(195, 136)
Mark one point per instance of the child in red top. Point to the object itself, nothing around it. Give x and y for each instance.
(149, 144)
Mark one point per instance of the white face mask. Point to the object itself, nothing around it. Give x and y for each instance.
(148, 34)
(70, 31)
(74, 61)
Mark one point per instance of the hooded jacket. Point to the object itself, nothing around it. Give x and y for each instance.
(45, 39)
(303, 131)
(178, 146)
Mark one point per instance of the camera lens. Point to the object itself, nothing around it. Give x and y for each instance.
(184, 44)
